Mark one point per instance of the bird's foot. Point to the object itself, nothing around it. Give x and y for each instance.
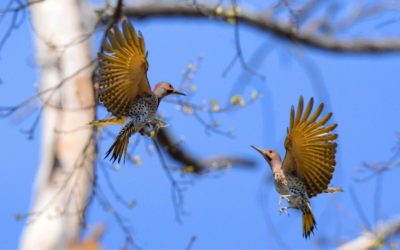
(151, 128)
(280, 200)
(283, 210)
(147, 129)
(285, 196)
(158, 123)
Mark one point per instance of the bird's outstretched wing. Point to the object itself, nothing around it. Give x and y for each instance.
(123, 69)
(310, 148)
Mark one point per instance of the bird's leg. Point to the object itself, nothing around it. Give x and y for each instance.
(282, 209)
(280, 200)
(284, 196)
(147, 129)
(151, 128)
(158, 123)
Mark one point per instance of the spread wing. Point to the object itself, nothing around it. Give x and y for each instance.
(123, 69)
(310, 148)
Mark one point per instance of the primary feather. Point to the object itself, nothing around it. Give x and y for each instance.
(123, 69)
(310, 148)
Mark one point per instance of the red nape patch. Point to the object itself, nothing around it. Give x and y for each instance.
(158, 85)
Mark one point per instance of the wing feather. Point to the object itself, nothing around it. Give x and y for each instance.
(106, 46)
(299, 111)
(316, 114)
(310, 147)
(123, 69)
(308, 111)
(291, 118)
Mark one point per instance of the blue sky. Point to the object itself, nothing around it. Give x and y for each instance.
(234, 208)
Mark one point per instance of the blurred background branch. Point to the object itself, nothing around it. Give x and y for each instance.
(374, 239)
(265, 21)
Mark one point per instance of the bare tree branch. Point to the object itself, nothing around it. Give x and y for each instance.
(375, 239)
(262, 21)
(178, 153)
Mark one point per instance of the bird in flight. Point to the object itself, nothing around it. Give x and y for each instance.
(124, 88)
(309, 163)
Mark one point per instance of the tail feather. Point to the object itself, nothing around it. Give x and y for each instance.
(333, 190)
(120, 146)
(309, 223)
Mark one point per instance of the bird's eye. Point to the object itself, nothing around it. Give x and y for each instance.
(270, 151)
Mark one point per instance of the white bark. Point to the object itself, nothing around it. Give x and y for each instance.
(373, 240)
(65, 173)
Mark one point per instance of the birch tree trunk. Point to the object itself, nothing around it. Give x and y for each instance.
(65, 173)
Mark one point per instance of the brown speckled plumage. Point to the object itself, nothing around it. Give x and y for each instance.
(124, 88)
(142, 110)
(309, 161)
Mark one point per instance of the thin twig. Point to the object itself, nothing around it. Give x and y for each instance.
(191, 242)
(359, 208)
(176, 191)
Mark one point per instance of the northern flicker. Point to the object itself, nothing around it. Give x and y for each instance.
(124, 88)
(308, 164)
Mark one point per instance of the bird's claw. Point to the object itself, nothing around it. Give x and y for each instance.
(280, 200)
(147, 129)
(283, 210)
(151, 128)
(158, 123)
(286, 197)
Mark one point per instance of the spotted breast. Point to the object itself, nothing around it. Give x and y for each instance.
(296, 186)
(143, 109)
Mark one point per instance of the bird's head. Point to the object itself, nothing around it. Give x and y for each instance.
(271, 156)
(165, 88)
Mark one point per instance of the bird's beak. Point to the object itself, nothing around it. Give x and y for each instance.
(258, 149)
(178, 93)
